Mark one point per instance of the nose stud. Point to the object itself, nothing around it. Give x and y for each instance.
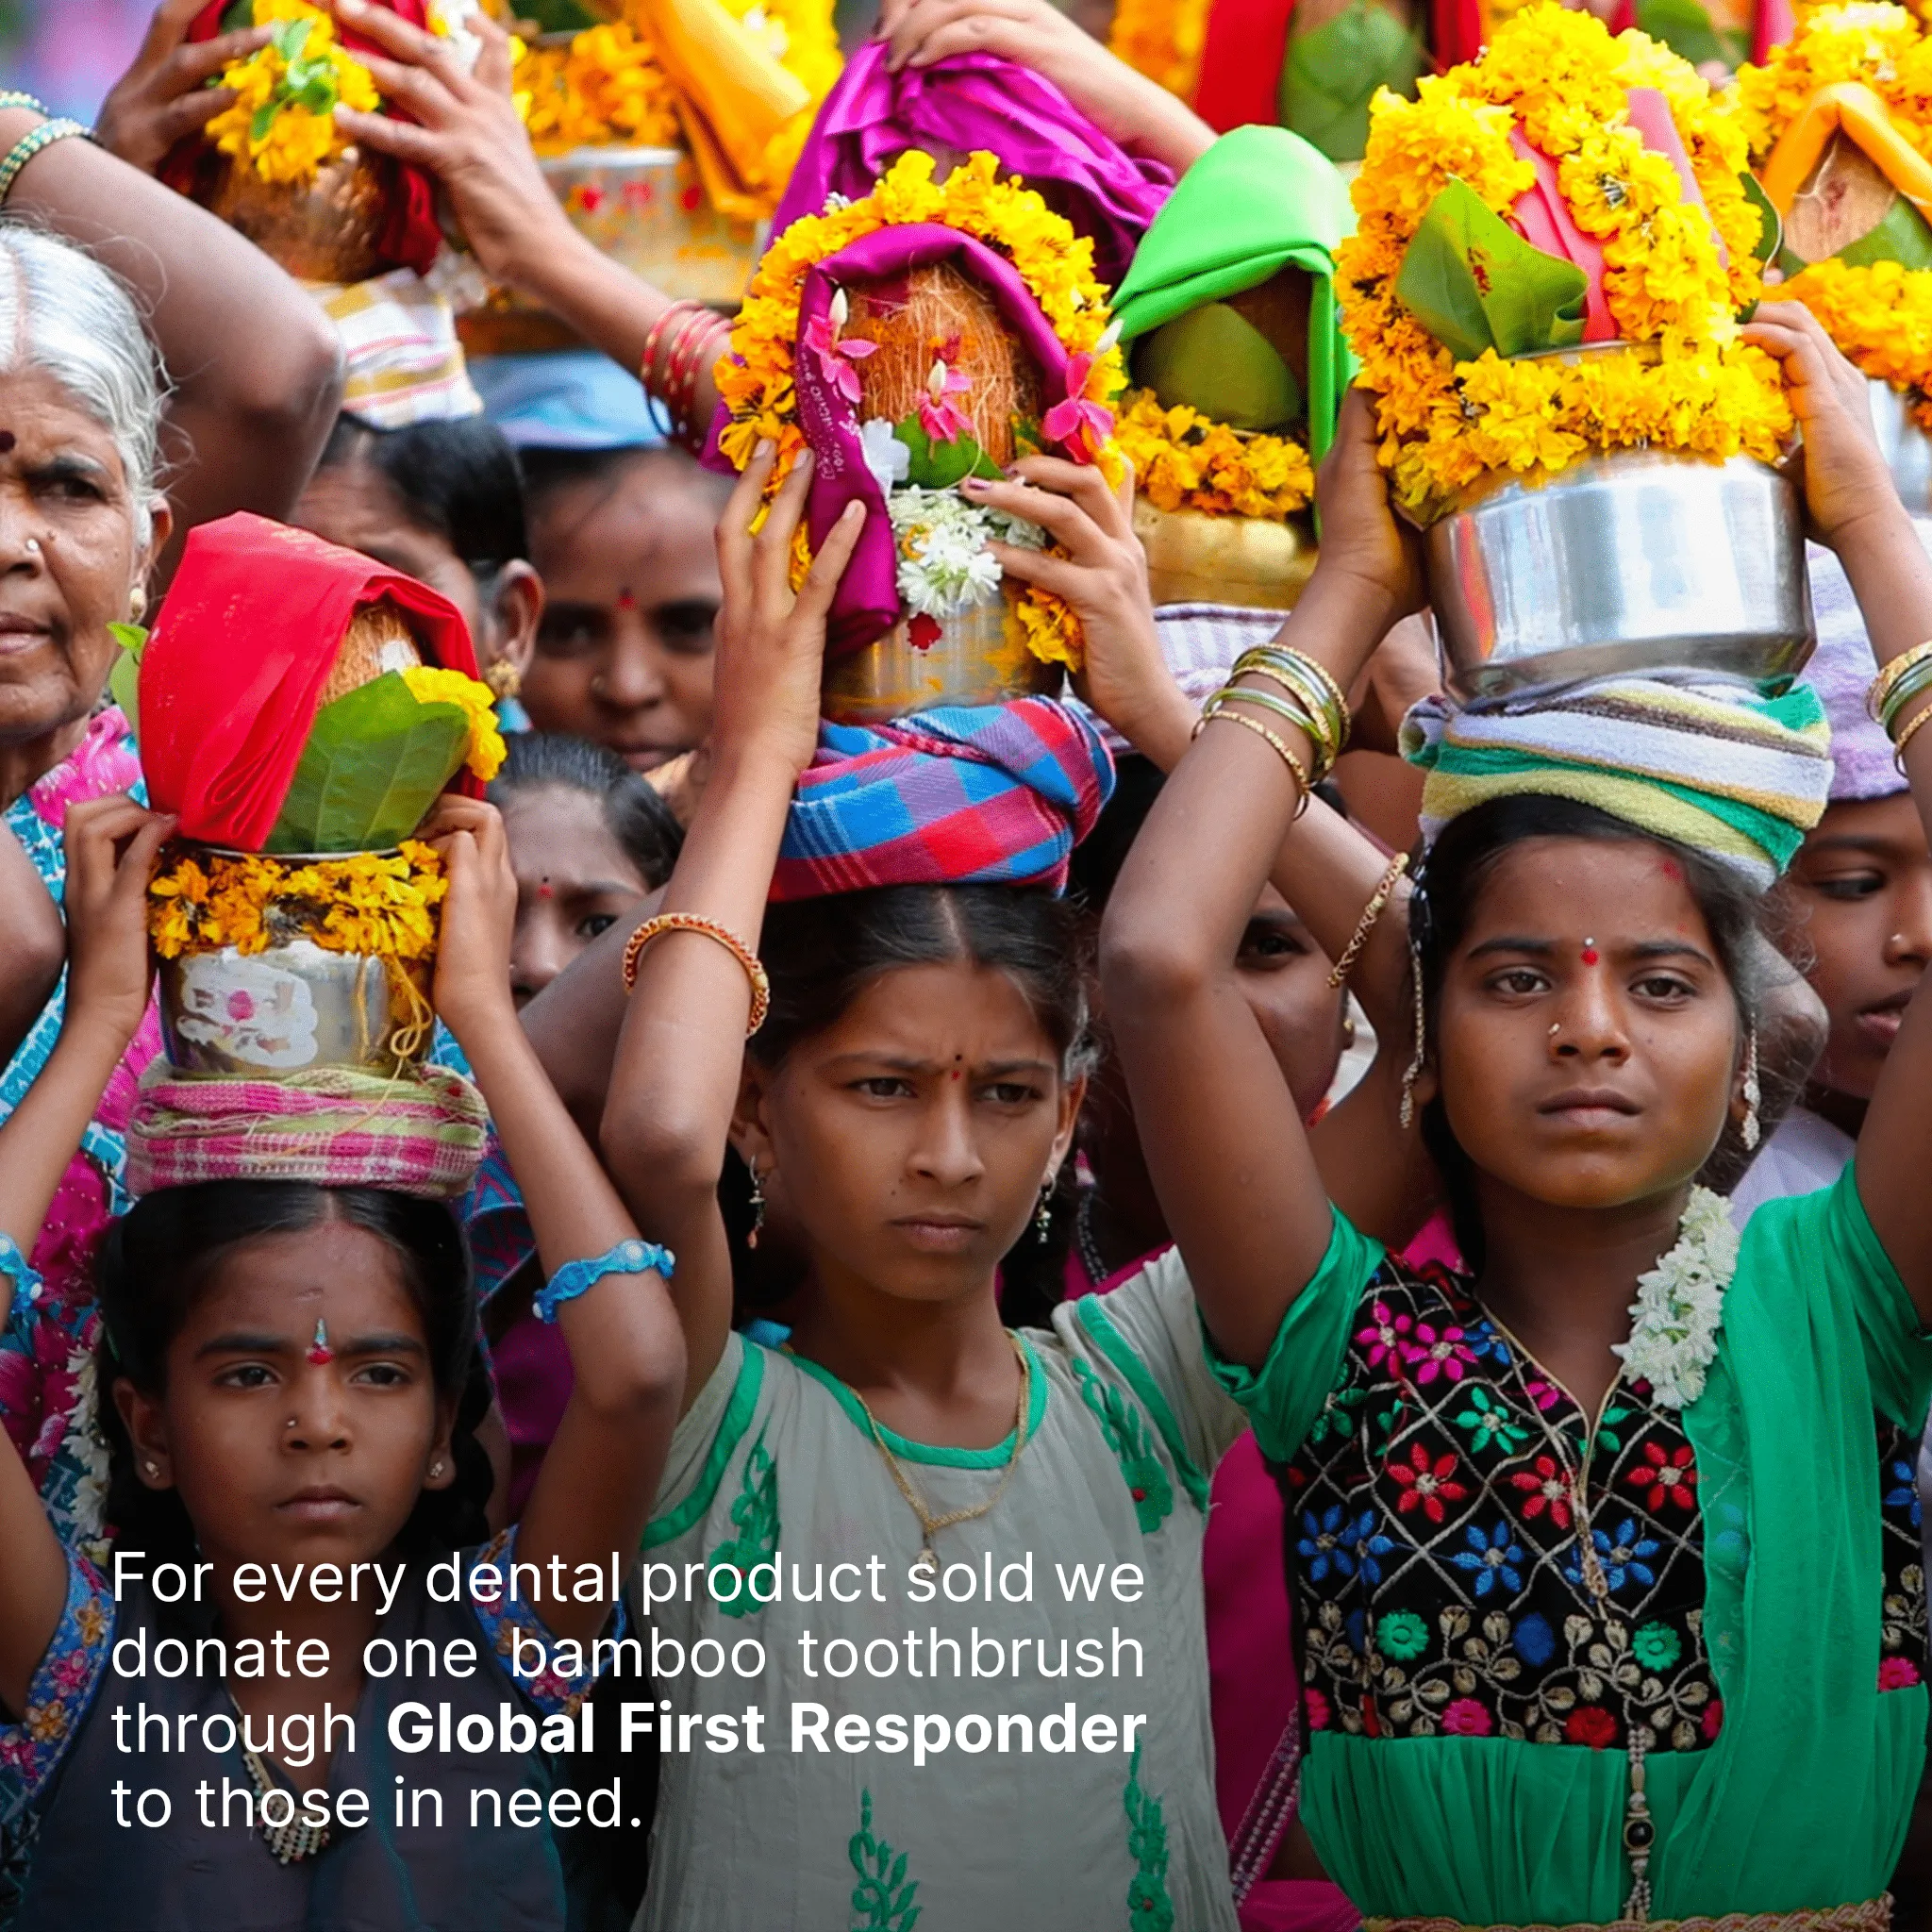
(33, 544)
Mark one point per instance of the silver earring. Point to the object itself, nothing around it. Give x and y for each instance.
(1043, 1220)
(757, 1207)
(137, 603)
(1413, 1072)
(1749, 1131)
(153, 1468)
(436, 1470)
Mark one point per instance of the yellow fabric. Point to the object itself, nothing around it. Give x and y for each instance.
(1852, 107)
(733, 99)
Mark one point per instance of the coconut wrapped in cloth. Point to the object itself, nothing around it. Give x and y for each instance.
(1235, 349)
(301, 711)
(932, 330)
(1840, 124)
(1553, 244)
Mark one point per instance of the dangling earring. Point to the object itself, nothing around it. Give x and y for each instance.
(504, 678)
(1414, 1070)
(1749, 1131)
(1043, 1220)
(757, 1207)
(137, 603)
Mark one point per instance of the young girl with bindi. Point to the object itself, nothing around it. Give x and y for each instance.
(914, 1088)
(290, 1378)
(1563, 1594)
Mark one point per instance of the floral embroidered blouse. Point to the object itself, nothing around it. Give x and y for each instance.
(1495, 1590)
(46, 1352)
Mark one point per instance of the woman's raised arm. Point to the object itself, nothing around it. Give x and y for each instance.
(1223, 1139)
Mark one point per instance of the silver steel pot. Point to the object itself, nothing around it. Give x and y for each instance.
(1623, 562)
(1906, 448)
(287, 1010)
(979, 658)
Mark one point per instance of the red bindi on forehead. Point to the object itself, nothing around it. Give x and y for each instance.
(1673, 871)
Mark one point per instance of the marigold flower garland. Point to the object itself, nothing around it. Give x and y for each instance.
(1161, 39)
(429, 685)
(1880, 314)
(1185, 460)
(379, 904)
(754, 380)
(1685, 383)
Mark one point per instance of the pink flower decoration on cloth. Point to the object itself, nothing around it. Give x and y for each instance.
(941, 417)
(836, 358)
(1466, 1718)
(1317, 1707)
(1897, 1673)
(1079, 426)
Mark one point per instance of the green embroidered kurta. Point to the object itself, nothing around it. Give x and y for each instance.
(1801, 1798)
(773, 1463)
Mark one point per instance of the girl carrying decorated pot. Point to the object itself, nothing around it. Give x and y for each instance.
(1558, 1573)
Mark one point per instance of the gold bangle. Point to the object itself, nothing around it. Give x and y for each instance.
(1294, 712)
(1292, 660)
(1324, 725)
(1366, 924)
(1905, 738)
(691, 922)
(1890, 674)
(1300, 771)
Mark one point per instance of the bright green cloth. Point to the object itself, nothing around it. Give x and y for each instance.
(1259, 200)
(1804, 1798)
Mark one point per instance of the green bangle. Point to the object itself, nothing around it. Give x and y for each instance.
(1915, 683)
(29, 145)
(1303, 679)
(1294, 714)
(13, 97)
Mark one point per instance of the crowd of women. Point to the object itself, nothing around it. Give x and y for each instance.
(1319, 1231)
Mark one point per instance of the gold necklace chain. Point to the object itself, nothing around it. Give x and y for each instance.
(928, 1523)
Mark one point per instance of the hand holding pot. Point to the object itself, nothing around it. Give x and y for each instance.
(111, 846)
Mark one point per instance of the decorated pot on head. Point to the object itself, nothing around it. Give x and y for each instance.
(1840, 126)
(927, 333)
(668, 131)
(1554, 245)
(302, 709)
(1237, 363)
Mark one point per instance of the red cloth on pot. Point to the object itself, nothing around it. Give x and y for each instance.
(412, 235)
(231, 678)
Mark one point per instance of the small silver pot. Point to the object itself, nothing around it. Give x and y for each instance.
(289, 1009)
(1632, 561)
(1907, 448)
(979, 658)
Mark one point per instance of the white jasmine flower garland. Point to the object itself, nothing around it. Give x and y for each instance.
(1680, 1304)
(944, 566)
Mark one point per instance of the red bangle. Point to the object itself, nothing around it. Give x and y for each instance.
(711, 929)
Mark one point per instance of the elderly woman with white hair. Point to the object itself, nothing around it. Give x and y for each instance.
(109, 284)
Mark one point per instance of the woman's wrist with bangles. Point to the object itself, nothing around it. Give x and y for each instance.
(684, 342)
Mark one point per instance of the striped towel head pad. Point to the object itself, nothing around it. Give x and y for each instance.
(980, 794)
(418, 1133)
(402, 362)
(1708, 763)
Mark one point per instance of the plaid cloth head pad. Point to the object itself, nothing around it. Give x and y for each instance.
(983, 794)
(418, 1133)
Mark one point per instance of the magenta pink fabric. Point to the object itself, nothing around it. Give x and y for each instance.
(534, 1379)
(963, 105)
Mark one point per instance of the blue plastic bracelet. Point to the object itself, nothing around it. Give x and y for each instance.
(26, 1284)
(576, 1277)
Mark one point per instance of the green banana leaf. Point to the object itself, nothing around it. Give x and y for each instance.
(939, 465)
(1213, 360)
(374, 765)
(1476, 284)
(1332, 73)
(1771, 228)
(1901, 236)
(123, 681)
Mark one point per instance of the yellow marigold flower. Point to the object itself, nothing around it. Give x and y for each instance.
(1163, 40)
(374, 902)
(431, 686)
(1185, 460)
(282, 121)
(1881, 317)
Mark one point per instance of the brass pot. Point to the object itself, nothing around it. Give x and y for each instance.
(979, 658)
(1196, 558)
(328, 230)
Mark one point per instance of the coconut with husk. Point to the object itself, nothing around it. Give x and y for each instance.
(327, 230)
(945, 380)
(1849, 208)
